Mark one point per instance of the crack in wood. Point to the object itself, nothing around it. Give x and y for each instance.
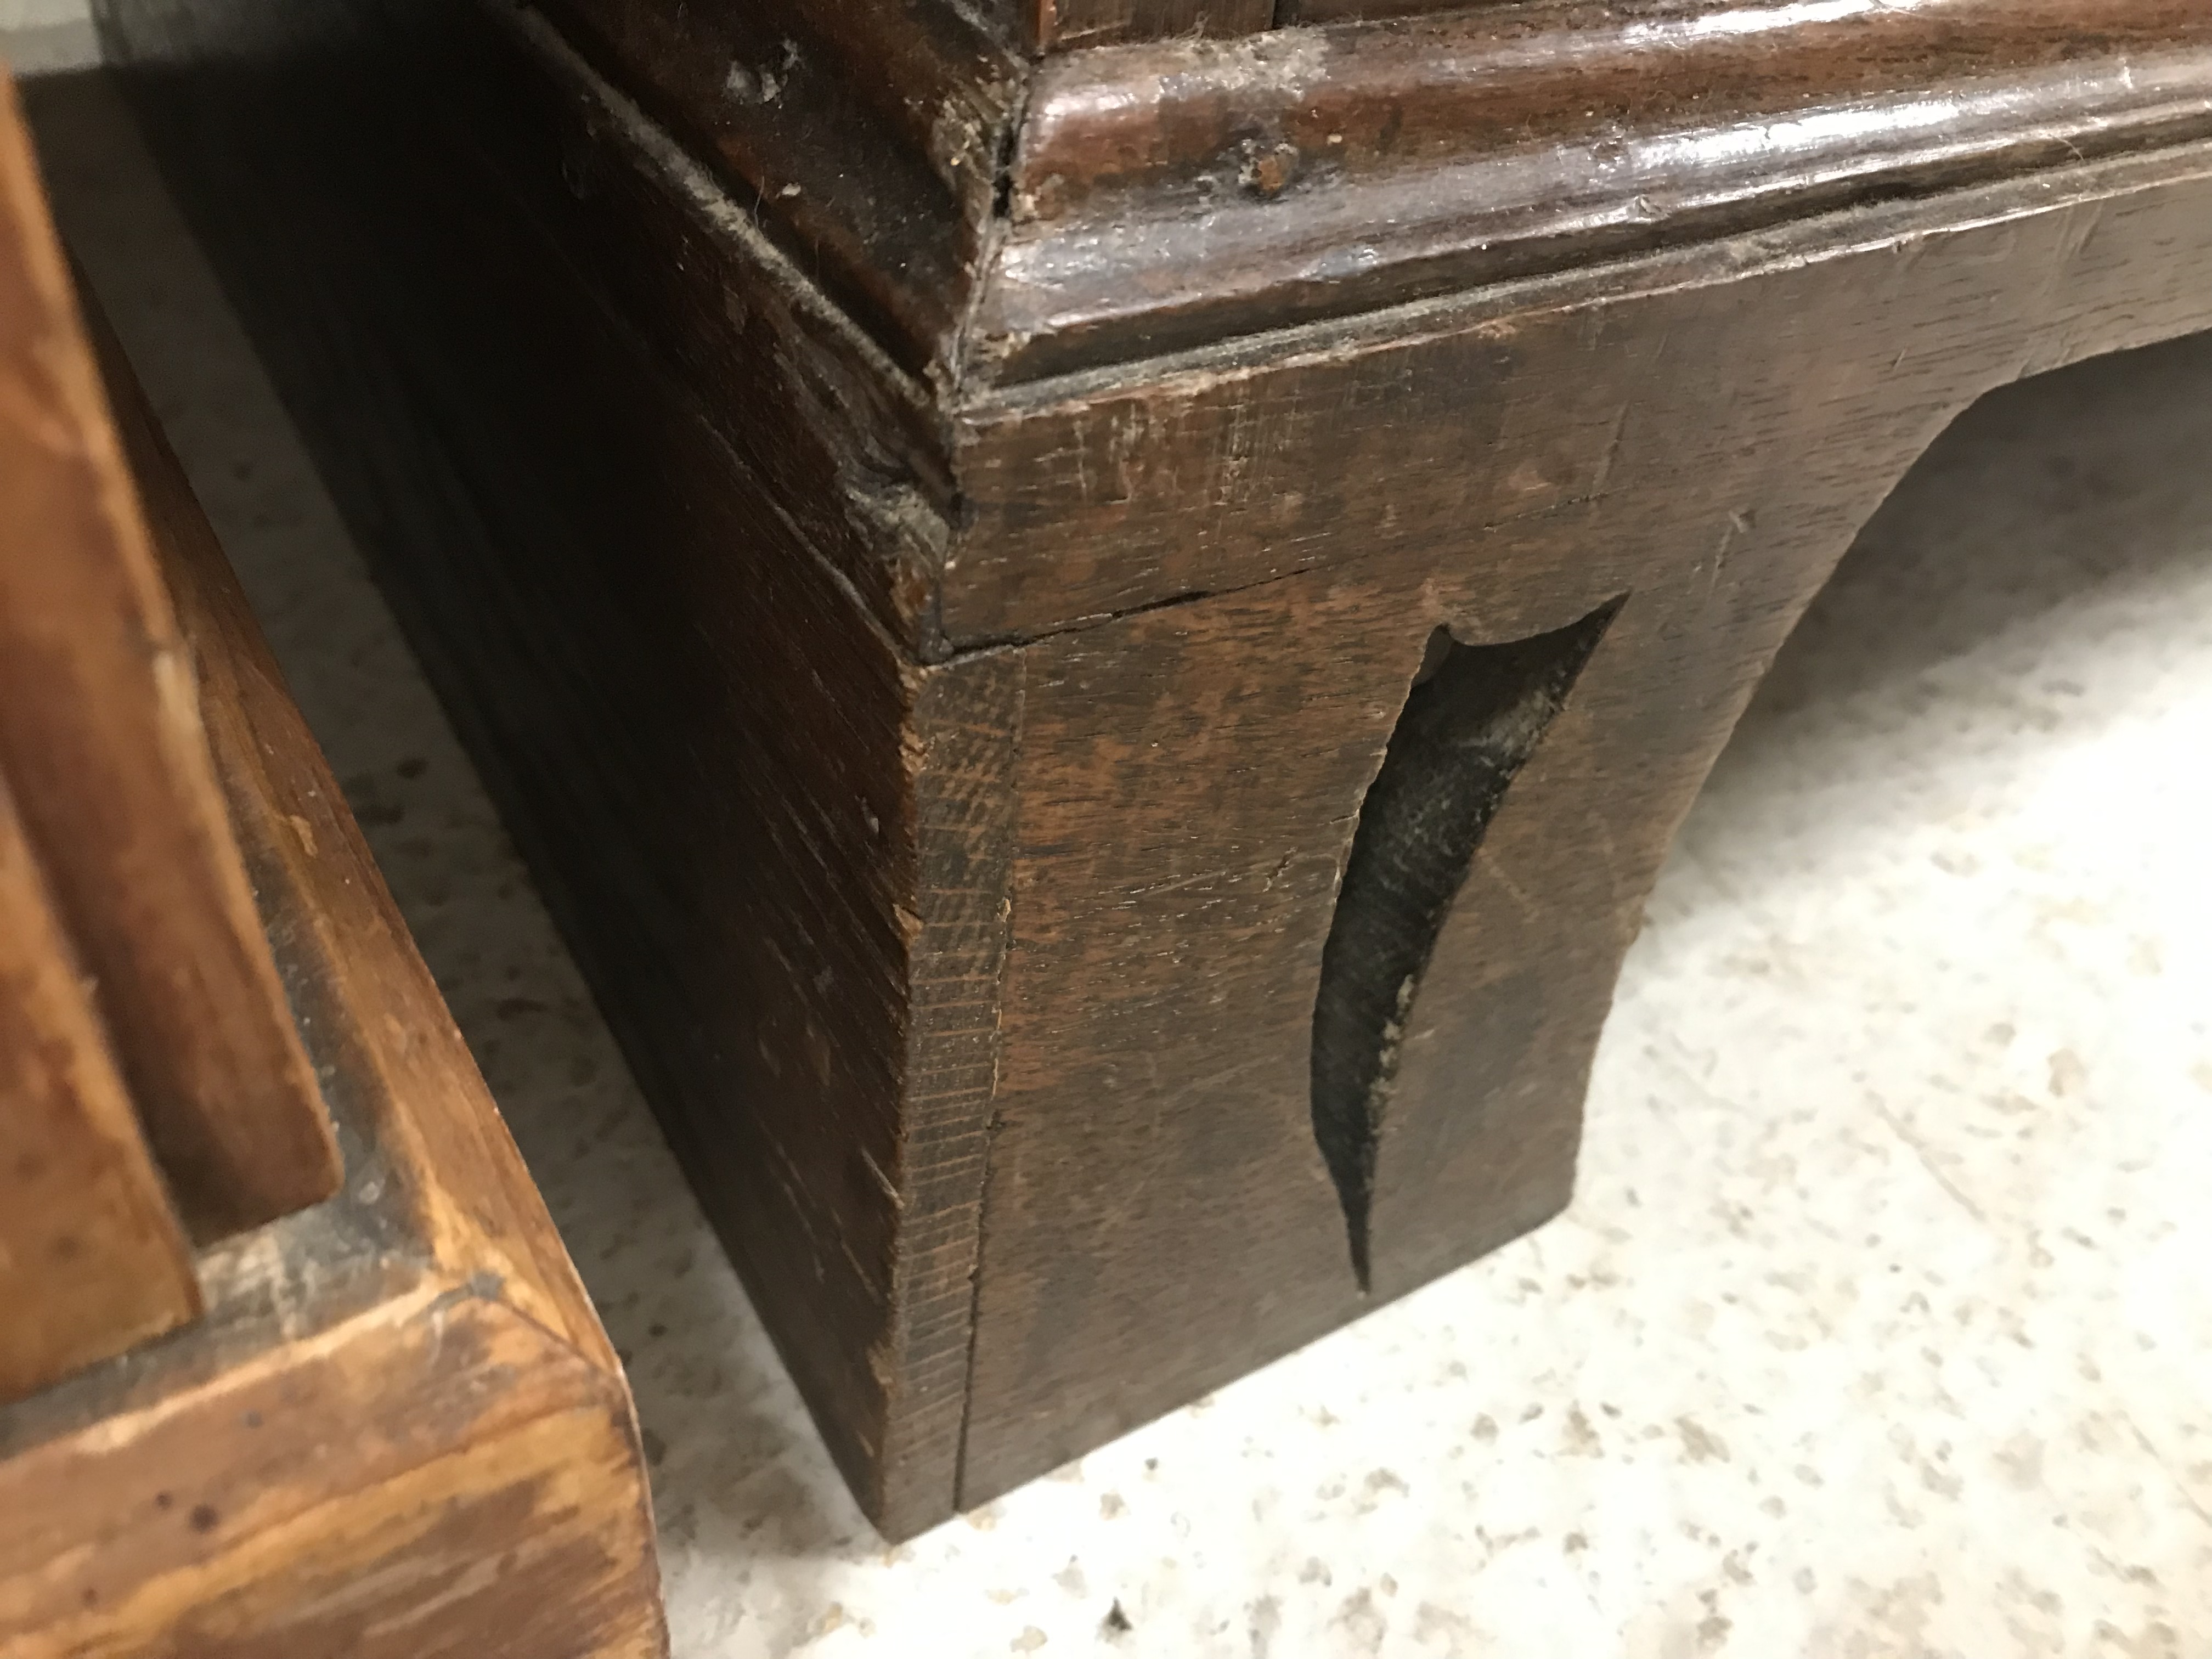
(1475, 715)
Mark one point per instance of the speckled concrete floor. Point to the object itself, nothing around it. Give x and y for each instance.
(1883, 1322)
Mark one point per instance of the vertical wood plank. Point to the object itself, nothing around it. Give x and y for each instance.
(967, 716)
(358, 979)
(91, 1259)
(100, 734)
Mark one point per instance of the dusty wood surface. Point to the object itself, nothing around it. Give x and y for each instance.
(92, 1259)
(857, 460)
(1291, 13)
(1070, 25)
(945, 758)
(102, 741)
(400, 1430)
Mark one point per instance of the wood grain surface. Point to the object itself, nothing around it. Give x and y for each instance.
(857, 455)
(953, 780)
(436, 1477)
(400, 1430)
(102, 742)
(1702, 451)
(93, 1260)
(760, 898)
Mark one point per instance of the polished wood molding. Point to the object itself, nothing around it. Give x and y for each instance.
(995, 221)
(1170, 196)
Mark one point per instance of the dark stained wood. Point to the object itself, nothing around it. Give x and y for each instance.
(101, 741)
(967, 718)
(1475, 715)
(1236, 430)
(1292, 13)
(986, 821)
(1191, 774)
(1170, 196)
(865, 135)
(857, 456)
(399, 1431)
(1164, 194)
(939, 84)
(1067, 25)
(1360, 102)
(92, 1259)
(760, 899)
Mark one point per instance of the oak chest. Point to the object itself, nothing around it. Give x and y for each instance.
(1097, 614)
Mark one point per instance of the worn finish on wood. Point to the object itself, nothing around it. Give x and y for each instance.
(1164, 194)
(856, 459)
(950, 788)
(966, 719)
(1170, 196)
(450, 1168)
(92, 1259)
(101, 740)
(787, 993)
(436, 1477)
(864, 137)
(399, 1431)
(1067, 25)
(1707, 448)
(1292, 13)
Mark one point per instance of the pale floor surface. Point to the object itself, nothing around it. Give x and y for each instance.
(1882, 1323)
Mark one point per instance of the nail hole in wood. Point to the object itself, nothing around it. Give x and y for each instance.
(1475, 715)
